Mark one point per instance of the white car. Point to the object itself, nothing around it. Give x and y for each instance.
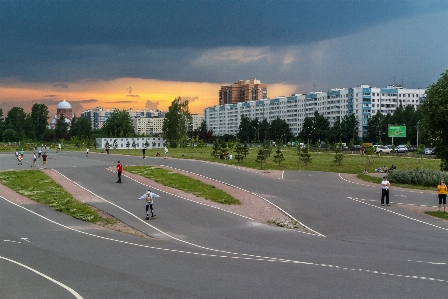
(401, 149)
(383, 150)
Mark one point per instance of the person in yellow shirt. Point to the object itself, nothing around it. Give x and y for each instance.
(442, 195)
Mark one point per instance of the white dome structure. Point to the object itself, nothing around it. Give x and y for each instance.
(64, 105)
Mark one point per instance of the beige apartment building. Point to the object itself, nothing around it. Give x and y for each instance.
(243, 91)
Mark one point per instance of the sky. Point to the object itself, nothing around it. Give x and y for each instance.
(143, 54)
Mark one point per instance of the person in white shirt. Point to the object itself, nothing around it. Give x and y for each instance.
(166, 151)
(149, 197)
(385, 185)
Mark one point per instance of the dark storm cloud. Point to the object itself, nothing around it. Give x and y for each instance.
(63, 41)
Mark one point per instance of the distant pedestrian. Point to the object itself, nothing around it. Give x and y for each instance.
(19, 160)
(385, 185)
(34, 160)
(87, 151)
(21, 153)
(166, 151)
(17, 154)
(44, 160)
(149, 197)
(119, 171)
(144, 152)
(40, 153)
(442, 195)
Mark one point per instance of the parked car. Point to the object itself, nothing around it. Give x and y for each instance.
(429, 151)
(356, 147)
(402, 148)
(383, 150)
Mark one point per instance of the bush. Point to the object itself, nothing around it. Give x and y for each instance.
(418, 176)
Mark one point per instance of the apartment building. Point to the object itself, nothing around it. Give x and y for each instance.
(363, 101)
(243, 91)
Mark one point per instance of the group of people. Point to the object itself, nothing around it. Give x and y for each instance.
(385, 169)
(441, 188)
(19, 157)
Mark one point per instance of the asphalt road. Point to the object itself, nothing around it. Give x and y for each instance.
(364, 250)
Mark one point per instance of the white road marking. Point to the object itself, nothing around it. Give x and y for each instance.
(232, 254)
(432, 263)
(73, 292)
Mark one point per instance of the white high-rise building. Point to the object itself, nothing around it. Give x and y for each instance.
(363, 101)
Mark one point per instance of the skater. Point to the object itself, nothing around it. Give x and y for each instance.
(44, 160)
(166, 151)
(19, 159)
(34, 160)
(119, 171)
(87, 151)
(39, 153)
(385, 185)
(149, 196)
(144, 152)
(442, 195)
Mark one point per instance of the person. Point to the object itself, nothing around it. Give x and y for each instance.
(230, 157)
(17, 154)
(144, 152)
(44, 160)
(19, 159)
(166, 151)
(385, 185)
(39, 153)
(87, 151)
(119, 171)
(34, 160)
(442, 195)
(149, 196)
(107, 150)
(157, 154)
(21, 153)
(365, 171)
(385, 168)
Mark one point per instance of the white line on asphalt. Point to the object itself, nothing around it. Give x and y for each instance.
(247, 256)
(432, 263)
(74, 293)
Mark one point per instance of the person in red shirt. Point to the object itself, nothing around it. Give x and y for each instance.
(119, 170)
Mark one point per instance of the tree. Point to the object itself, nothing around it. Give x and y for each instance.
(81, 128)
(119, 124)
(278, 157)
(2, 123)
(39, 116)
(176, 122)
(280, 131)
(305, 156)
(349, 127)
(15, 120)
(216, 149)
(261, 157)
(434, 114)
(61, 128)
(239, 150)
(339, 154)
(9, 135)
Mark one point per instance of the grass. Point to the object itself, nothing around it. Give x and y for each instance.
(438, 214)
(377, 180)
(184, 183)
(39, 187)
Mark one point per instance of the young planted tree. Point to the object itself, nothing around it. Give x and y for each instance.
(216, 150)
(278, 157)
(245, 149)
(239, 152)
(339, 154)
(305, 156)
(261, 157)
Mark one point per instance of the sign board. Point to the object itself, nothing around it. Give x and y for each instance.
(396, 131)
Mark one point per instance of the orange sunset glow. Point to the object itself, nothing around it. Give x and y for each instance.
(123, 93)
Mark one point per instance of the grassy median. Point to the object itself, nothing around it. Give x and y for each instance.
(183, 183)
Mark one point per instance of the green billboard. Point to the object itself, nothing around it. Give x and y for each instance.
(397, 131)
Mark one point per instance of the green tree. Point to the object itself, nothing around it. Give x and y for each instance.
(434, 114)
(81, 128)
(39, 116)
(261, 157)
(61, 128)
(216, 151)
(339, 154)
(349, 127)
(119, 124)
(278, 157)
(2, 123)
(305, 156)
(279, 130)
(239, 152)
(176, 122)
(15, 120)
(9, 135)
